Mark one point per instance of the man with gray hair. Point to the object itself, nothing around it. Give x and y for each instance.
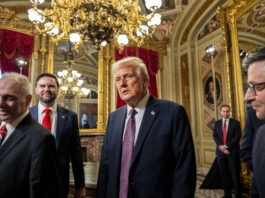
(256, 95)
(27, 150)
(148, 149)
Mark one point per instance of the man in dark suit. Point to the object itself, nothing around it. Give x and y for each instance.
(148, 149)
(256, 95)
(252, 124)
(64, 126)
(227, 133)
(27, 151)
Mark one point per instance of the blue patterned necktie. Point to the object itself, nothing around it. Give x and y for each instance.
(3, 133)
(127, 152)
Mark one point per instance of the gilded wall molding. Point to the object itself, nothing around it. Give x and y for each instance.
(228, 17)
(9, 21)
(221, 16)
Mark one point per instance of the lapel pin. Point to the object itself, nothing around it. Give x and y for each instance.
(63, 116)
(153, 113)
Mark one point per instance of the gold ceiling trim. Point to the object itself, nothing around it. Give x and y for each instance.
(9, 21)
(194, 19)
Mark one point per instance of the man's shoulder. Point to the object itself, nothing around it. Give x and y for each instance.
(32, 128)
(166, 105)
(65, 111)
(231, 120)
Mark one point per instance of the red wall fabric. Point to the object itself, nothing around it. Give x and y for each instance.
(13, 45)
(150, 58)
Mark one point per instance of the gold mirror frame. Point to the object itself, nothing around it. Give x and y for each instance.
(228, 17)
(103, 86)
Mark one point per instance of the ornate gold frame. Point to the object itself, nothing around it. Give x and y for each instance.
(228, 17)
(103, 94)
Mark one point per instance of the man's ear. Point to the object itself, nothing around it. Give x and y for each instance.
(28, 99)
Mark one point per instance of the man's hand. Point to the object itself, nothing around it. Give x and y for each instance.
(80, 193)
(224, 149)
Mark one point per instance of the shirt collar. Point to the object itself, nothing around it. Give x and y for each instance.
(53, 108)
(12, 125)
(140, 107)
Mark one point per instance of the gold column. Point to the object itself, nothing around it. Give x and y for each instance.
(50, 57)
(43, 51)
(222, 18)
(108, 59)
(214, 87)
(100, 91)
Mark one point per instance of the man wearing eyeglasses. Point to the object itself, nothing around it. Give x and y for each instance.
(256, 95)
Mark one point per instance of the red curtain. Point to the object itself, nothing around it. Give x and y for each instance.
(150, 58)
(13, 45)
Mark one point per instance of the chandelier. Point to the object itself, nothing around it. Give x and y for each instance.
(96, 21)
(70, 80)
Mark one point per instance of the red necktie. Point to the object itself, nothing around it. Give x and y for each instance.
(127, 152)
(47, 119)
(3, 133)
(224, 132)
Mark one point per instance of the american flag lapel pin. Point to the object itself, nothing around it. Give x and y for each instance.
(153, 113)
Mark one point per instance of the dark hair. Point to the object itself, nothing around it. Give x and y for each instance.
(47, 75)
(255, 56)
(224, 105)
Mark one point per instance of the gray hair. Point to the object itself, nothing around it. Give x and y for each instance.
(135, 63)
(26, 87)
(256, 56)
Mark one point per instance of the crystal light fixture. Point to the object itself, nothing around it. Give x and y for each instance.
(96, 22)
(70, 80)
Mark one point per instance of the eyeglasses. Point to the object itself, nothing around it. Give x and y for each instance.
(256, 87)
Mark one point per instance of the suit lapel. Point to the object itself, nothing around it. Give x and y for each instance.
(230, 126)
(34, 112)
(151, 111)
(15, 137)
(221, 129)
(59, 125)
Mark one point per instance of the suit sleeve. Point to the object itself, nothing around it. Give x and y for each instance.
(184, 181)
(234, 142)
(104, 166)
(42, 176)
(76, 156)
(247, 139)
(216, 137)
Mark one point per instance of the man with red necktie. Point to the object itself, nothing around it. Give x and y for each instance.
(227, 133)
(27, 151)
(63, 124)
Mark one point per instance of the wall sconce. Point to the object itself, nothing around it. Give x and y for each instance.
(211, 51)
(21, 63)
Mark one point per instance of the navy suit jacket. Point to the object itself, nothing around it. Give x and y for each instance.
(163, 163)
(68, 147)
(259, 162)
(232, 138)
(252, 124)
(28, 162)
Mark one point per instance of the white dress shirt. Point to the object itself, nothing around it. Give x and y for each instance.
(53, 115)
(140, 108)
(12, 125)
